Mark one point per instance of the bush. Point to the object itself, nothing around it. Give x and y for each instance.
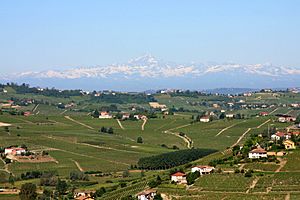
(139, 140)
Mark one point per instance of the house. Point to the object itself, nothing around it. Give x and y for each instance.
(204, 119)
(27, 113)
(203, 169)
(275, 137)
(215, 105)
(288, 144)
(286, 118)
(263, 114)
(138, 117)
(83, 196)
(179, 178)
(105, 115)
(283, 135)
(146, 195)
(229, 115)
(125, 116)
(258, 153)
(14, 151)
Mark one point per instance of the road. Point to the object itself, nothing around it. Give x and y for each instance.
(82, 124)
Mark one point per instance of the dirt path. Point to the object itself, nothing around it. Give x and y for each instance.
(4, 124)
(281, 165)
(121, 126)
(288, 196)
(63, 112)
(242, 136)
(253, 184)
(273, 111)
(91, 157)
(263, 123)
(167, 124)
(185, 138)
(144, 123)
(34, 109)
(77, 122)
(77, 165)
(224, 129)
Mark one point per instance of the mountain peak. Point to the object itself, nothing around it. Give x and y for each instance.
(144, 60)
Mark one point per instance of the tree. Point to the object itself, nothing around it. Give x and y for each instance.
(125, 173)
(96, 114)
(297, 120)
(99, 192)
(11, 179)
(157, 197)
(222, 116)
(61, 187)
(139, 139)
(28, 191)
(110, 130)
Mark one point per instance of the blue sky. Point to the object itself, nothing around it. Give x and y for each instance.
(39, 35)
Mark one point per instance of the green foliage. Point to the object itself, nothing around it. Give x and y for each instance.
(61, 187)
(99, 192)
(139, 139)
(191, 177)
(28, 191)
(172, 159)
(76, 175)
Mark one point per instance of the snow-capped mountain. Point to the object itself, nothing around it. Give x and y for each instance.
(147, 72)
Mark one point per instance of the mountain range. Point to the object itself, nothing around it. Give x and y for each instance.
(147, 72)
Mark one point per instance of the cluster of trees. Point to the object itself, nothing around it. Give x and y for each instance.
(172, 159)
(25, 89)
(108, 130)
(76, 175)
(191, 177)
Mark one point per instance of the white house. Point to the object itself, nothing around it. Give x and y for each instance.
(146, 195)
(105, 115)
(179, 177)
(229, 115)
(258, 153)
(204, 119)
(275, 137)
(203, 169)
(14, 151)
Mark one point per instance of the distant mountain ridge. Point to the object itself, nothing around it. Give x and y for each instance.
(147, 70)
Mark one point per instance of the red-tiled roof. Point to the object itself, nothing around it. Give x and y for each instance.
(179, 174)
(258, 150)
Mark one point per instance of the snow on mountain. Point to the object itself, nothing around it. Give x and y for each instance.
(148, 66)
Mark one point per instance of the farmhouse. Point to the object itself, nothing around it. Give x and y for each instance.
(288, 144)
(203, 169)
(105, 115)
(229, 115)
(27, 113)
(179, 177)
(14, 151)
(281, 135)
(125, 116)
(263, 114)
(146, 195)
(258, 153)
(286, 118)
(204, 119)
(83, 196)
(138, 117)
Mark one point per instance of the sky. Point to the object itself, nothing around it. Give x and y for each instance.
(54, 34)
